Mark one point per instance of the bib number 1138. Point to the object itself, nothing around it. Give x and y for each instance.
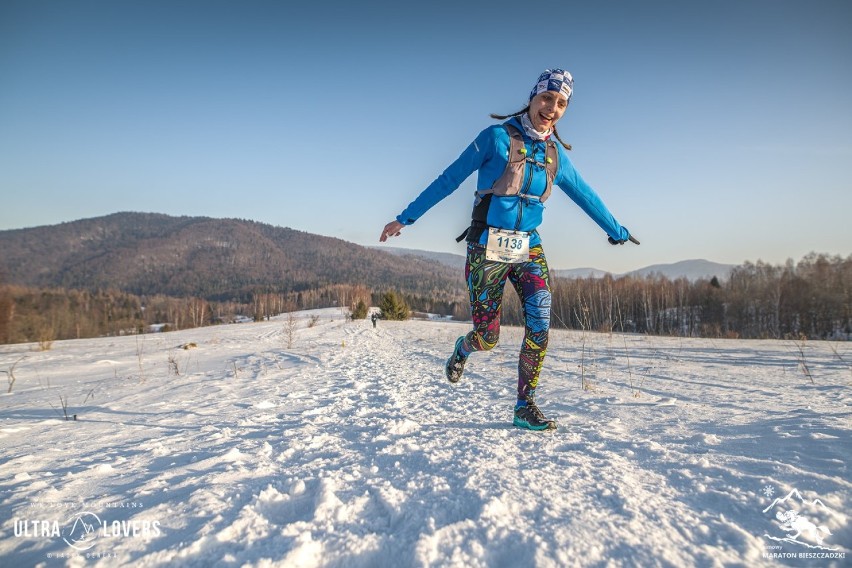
(507, 246)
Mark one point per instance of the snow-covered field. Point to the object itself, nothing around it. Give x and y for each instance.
(348, 448)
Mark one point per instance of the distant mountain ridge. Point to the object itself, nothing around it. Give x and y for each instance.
(217, 259)
(690, 269)
(231, 259)
(446, 258)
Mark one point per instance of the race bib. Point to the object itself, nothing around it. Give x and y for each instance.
(507, 246)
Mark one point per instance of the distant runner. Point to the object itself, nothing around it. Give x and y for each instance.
(518, 163)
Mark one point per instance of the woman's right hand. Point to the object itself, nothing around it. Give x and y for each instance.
(392, 229)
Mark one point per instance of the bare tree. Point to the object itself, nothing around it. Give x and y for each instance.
(10, 374)
(290, 329)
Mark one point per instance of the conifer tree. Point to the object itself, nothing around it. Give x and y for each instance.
(360, 310)
(393, 307)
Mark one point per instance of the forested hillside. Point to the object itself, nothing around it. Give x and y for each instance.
(125, 272)
(213, 259)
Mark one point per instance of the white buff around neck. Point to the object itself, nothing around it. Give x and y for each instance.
(531, 131)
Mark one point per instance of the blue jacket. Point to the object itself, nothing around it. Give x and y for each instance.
(488, 154)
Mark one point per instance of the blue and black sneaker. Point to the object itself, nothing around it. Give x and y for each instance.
(455, 364)
(529, 416)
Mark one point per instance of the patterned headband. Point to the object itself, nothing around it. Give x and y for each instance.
(554, 80)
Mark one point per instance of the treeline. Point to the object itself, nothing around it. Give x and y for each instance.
(45, 315)
(29, 315)
(811, 298)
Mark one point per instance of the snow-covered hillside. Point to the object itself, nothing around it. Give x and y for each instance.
(331, 443)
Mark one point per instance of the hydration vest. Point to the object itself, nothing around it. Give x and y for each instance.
(512, 181)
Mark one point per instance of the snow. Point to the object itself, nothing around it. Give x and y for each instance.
(350, 449)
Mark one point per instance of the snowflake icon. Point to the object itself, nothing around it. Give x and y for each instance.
(768, 491)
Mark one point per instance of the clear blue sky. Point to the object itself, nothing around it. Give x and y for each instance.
(718, 130)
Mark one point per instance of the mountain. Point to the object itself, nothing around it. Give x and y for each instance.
(689, 269)
(456, 261)
(580, 273)
(223, 259)
(217, 259)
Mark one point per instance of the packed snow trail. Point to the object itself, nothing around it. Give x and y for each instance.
(349, 448)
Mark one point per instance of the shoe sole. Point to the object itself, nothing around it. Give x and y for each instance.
(551, 425)
(447, 371)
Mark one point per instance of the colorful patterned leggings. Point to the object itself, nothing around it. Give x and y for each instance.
(485, 281)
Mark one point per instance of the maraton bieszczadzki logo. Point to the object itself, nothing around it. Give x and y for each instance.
(800, 527)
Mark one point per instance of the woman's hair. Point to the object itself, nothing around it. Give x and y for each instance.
(522, 111)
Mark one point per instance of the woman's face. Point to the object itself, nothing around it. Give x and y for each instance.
(546, 108)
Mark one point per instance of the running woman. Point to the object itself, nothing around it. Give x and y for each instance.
(518, 163)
